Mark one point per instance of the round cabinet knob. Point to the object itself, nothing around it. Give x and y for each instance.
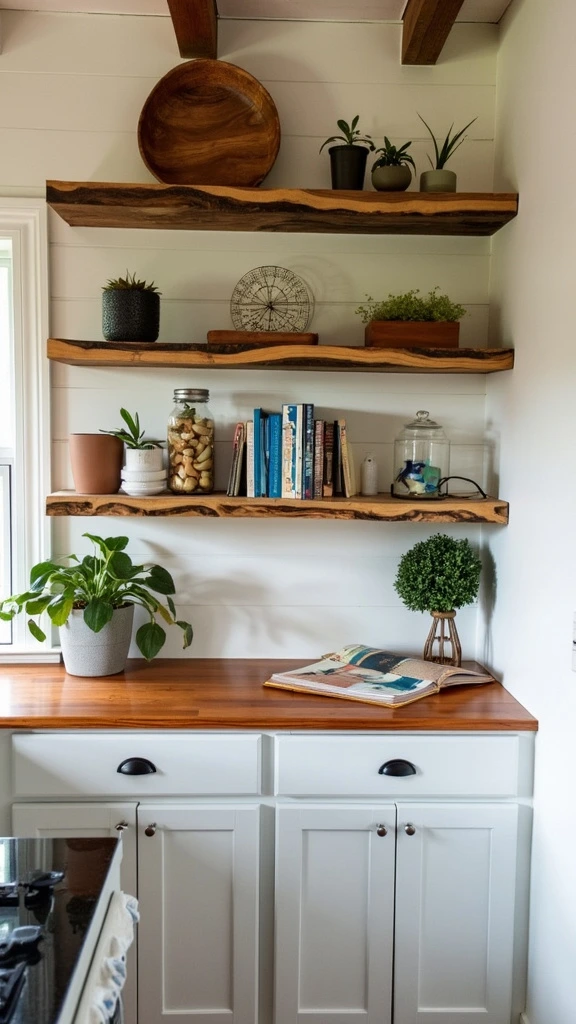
(121, 826)
(381, 830)
(151, 830)
(409, 830)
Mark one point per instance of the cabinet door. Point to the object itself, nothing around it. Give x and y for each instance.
(334, 914)
(455, 879)
(198, 936)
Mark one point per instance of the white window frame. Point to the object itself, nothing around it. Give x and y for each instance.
(24, 222)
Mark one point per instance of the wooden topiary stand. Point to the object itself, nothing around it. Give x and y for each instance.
(447, 634)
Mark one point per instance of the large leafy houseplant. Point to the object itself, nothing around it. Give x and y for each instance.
(348, 160)
(439, 575)
(99, 584)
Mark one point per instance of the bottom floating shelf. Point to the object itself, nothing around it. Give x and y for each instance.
(381, 508)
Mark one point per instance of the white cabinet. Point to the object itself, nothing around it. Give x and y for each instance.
(433, 894)
(198, 936)
(334, 914)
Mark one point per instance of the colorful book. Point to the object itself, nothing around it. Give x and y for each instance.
(319, 426)
(238, 442)
(299, 451)
(289, 428)
(374, 676)
(258, 452)
(348, 473)
(250, 459)
(308, 451)
(337, 470)
(275, 455)
(328, 475)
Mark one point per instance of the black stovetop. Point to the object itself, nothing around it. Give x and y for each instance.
(57, 912)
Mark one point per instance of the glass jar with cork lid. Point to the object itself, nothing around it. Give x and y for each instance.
(191, 443)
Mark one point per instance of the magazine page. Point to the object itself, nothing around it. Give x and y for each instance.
(355, 681)
(385, 661)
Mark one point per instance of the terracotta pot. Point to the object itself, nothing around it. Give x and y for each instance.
(411, 334)
(96, 463)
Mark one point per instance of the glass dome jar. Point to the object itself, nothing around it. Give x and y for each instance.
(421, 458)
(191, 443)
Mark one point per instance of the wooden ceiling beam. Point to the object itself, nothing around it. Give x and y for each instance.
(196, 27)
(427, 24)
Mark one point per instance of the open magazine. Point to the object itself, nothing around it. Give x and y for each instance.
(375, 677)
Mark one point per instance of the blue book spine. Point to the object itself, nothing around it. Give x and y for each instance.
(264, 454)
(275, 455)
(299, 445)
(257, 452)
(308, 460)
(289, 430)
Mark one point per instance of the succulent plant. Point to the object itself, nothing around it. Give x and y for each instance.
(132, 437)
(129, 283)
(449, 146)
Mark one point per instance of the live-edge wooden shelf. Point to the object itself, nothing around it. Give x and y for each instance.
(381, 508)
(279, 357)
(220, 208)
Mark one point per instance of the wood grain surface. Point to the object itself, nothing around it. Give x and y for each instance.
(261, 338)
(278, 357)
(196, 27)
(228, 694)
(217, 208)
(382, 508)
(427, 24)
(411, 334)
(209, 123)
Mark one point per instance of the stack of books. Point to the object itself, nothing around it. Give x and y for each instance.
(291, 455)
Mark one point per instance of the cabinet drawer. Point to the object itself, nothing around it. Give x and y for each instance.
(67, 765)
(445, 765)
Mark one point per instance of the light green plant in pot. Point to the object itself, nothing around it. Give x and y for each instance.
(391, 171)
(92, 602)
(130, 309)
(439, 575)
(439, 179)
(348, 161)
(143, 473)
(412, 320)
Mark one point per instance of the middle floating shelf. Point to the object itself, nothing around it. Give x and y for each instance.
(381, 508)
(281, 357)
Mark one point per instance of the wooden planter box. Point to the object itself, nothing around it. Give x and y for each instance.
(411, 334)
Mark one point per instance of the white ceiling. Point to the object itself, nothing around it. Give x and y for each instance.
(306, 10)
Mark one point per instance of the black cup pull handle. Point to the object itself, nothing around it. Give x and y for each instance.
(397, 767)
(136, 766)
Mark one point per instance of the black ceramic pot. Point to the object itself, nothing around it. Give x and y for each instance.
(348, 166)
(130, 314)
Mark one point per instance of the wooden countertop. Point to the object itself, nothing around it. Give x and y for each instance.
(228, 694)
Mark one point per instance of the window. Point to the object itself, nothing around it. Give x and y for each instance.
(24, 422)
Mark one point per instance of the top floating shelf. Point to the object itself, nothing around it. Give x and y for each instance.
(219, 208)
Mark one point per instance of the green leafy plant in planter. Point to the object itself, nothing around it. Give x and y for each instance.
(439, 179)
(92, 601)
(130, 309)
(348, 161)
(434, 318)
(131, 435)
(143, 474)
(439, 575)
(391, 171)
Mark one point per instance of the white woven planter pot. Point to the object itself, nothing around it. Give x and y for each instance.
(86, 653)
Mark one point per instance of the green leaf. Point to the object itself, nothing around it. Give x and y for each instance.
(99, 542)
(150, 639)
(37, 605)
(60, 609)
(133, 426)
(116, 543)
(121, 565)
(7, 616)
(160, 580)
(37, 633)
(42, 571)
(97, 613)
(171, 606)
(188, 633)
(165, 614)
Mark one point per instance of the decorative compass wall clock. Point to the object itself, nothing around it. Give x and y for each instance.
(271, 299)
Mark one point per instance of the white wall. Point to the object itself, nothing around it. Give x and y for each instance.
(533, 414)
(72, 87)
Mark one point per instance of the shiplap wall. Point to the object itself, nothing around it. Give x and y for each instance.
(71, 89)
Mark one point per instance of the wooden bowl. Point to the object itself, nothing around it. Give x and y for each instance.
(209, 123)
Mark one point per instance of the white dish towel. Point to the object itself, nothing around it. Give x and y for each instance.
(120, 920)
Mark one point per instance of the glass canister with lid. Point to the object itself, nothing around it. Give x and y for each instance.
(191, 443)
(421, 458)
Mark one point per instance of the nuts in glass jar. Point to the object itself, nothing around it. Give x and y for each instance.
(191, 444)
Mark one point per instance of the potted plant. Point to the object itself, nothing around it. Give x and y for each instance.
(96, 463)
(410, 320)
(143, 471)
(439, 575)
(391, 171)
(439, 179)
(130, 309)
(348, 162)
(92, 602)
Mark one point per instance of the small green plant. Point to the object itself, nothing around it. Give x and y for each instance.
(392, 157)
(129, 283)
(438, 575)
(99, 584)
(412, 306)
(449, 146)
(351, 135)
(132, 437)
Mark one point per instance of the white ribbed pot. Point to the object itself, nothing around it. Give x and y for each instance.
(146, 459)
(144, 472)
(86, 653)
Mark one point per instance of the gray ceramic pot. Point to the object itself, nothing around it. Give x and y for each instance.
(130, 314)
(438, 181)
(391, 179)
(86, 653)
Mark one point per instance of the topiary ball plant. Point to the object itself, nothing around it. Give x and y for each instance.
(439, 575)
